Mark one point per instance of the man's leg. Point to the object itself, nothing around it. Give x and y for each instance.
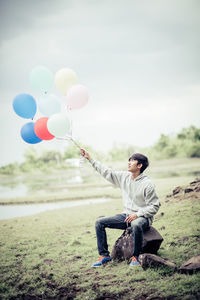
(117, 221)
(138, 226)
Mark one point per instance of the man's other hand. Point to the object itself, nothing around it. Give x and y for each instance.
(131, 218)
(85, 154)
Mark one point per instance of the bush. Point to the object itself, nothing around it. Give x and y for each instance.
(9, 169)
(184, 144)
(194, 150)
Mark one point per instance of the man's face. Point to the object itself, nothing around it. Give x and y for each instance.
(133, 165)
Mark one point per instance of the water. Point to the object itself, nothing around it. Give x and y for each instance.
(6, 192)
(16, 211)
(22, 189)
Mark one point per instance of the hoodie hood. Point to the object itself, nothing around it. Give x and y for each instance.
(140, 177)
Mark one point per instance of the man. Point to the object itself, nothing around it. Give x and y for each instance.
(140, 204)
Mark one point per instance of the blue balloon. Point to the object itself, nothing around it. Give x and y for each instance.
(28, 133)
(25, 106)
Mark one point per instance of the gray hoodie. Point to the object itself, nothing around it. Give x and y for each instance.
(139, 195)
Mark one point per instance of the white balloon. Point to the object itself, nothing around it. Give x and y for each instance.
(49, 105)
(58, 124)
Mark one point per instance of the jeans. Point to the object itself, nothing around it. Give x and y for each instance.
(118, 222)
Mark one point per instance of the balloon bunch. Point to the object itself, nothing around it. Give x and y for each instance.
(54, 122)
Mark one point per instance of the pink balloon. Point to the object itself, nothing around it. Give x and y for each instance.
(77, 96)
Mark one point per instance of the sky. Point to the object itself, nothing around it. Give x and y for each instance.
(139, 60)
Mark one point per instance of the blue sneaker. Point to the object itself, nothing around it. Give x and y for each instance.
(102, 260)
(134, 261)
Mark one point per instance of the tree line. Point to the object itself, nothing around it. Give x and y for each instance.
(186, 143)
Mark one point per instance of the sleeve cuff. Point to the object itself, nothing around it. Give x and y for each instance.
(92, 161)
(139, 214)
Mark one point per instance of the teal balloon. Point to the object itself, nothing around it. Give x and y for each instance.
(25, 106)
(28, 133)
(49, 105)
(41, 78)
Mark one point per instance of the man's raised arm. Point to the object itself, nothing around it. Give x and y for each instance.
(115, 177)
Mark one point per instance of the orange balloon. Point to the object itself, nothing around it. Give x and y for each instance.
(41, 130)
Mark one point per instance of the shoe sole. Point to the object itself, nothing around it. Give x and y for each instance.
(101, 264)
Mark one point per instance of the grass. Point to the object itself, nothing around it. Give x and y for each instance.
(49, 255)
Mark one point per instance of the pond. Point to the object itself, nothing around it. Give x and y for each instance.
(7, 192)
(15, 211)
(39, 187)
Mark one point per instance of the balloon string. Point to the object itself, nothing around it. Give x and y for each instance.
(70, 138)
(70, 120)
(75, 143)
(71, 127)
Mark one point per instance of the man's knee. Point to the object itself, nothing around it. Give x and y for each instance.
(139, 224)
(99, 222)
(135, 226)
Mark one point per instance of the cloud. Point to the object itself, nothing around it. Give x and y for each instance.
(139, 60)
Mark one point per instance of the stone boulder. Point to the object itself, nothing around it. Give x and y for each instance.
(123, 248)
(191, 265)
(151, 260)
(189, 191)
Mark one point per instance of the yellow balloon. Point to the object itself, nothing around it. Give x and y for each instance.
(64, 79)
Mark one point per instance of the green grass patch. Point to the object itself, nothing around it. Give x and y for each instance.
(49, 255)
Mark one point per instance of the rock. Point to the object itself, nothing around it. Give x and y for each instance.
(181, 192)
(195, 181)
(197, 189)
(191, 265)
(188, 190)
(168, 196)
(162, 228)
(177, 190)
(123, 248)
(183, 239)
(159, 215)
(77, 256)
(152, 260)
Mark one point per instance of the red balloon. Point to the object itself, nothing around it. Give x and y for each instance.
(41, 130)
